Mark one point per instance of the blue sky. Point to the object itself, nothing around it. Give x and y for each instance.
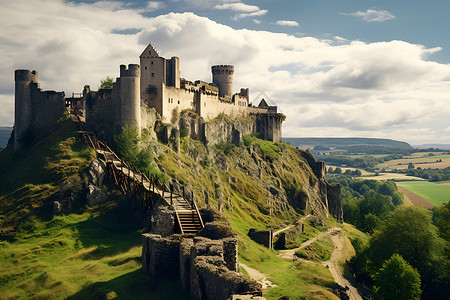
(342, 68)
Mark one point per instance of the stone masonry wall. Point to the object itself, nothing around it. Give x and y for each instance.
(208, 269)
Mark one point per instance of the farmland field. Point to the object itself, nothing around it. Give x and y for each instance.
(419, 159)
(433, 192)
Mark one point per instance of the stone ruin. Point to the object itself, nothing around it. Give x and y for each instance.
(208, 269)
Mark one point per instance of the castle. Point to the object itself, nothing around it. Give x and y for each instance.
(154, 84)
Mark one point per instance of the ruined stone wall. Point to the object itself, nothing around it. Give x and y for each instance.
(103, 112)
(35, 110)
(208, 269)
(47, 108)
(269, 126)
(263, 237)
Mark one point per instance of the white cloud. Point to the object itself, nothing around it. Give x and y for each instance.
(155, 5)
(287, 23)
(256, 21)
(237, 7)
(253, 14)
(385, 89)
(245, 9)
(371, 15)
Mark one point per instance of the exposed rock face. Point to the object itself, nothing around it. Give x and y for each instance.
(95, 195)
(330, 194)
(96, 172)
(57, 207)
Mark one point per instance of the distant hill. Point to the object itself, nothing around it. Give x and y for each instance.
(338, 142)
(5, 133)
(350, 145)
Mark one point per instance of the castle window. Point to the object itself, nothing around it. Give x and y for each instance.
(204, 104)
(152, 62)
(178, 101)
(146, 68)
(153, 74)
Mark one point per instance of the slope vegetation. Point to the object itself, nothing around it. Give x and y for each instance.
(94, 251)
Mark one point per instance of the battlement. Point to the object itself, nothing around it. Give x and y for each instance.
(133, 70)
(26, 75)
(222, 69)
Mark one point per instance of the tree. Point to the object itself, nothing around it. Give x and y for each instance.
(409, 232)
(398, 280)
(127, 144)
(106, 83)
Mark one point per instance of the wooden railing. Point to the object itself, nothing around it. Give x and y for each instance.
(134, 174)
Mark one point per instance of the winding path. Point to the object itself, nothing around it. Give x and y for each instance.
(336, 236)
(332, 265)
(258, 276)
(290, 253)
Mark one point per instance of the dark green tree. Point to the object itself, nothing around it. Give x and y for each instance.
(398, 280)
(409, 232)
(106, 83)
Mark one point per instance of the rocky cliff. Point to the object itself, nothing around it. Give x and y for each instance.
(232, 168)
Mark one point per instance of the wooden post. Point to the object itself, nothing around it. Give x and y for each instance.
(192, 198)
(182, 188)
(171, 193)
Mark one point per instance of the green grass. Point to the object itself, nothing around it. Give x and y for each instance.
(444, 156)
(89, 253)
(320, 250)
(95, 252)
(79, 256)
(435, 193)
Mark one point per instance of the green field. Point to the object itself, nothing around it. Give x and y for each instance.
(433, 192)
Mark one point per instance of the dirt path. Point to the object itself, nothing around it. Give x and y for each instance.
(258, 276)
(413, 198)
(336, 236)
(290, 253)
(292, 225)
(332, 265)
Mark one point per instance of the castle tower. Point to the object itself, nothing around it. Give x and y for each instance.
(130, 96)
(223, 79)
(23, 106)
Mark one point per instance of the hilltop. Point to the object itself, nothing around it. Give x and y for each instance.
(95, 249)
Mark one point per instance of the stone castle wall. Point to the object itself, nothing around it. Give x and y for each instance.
(208, 269)
(35, 110)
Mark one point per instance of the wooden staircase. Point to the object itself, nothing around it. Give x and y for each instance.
(188, 219)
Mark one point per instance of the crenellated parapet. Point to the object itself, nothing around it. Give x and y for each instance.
(223, 79)
(133, 70)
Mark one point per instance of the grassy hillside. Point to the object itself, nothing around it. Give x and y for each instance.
(89, 253)
(94, 252)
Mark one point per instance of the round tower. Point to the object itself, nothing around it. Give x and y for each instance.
(23, 112)
(130, 96)
(223, 79)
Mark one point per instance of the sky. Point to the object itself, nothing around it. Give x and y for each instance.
(335, 68)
